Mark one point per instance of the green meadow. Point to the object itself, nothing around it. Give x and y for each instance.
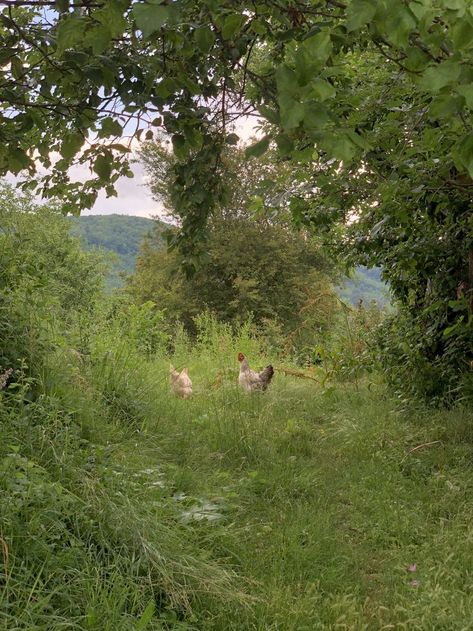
(317, 505)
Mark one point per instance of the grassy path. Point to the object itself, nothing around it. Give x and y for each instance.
(319, 504)
(306, 508)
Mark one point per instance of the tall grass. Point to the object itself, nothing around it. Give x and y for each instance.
(317, 505)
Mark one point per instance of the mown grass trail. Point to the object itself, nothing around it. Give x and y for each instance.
(318, 500)
(304, 508)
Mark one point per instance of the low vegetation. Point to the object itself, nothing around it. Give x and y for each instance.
(341, 497)
(324, 503)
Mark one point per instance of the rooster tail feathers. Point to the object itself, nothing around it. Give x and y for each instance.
(266, 375)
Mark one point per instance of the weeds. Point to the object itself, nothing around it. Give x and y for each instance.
(320, 504)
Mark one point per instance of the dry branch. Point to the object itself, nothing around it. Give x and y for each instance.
(296, 373)
(431, 444)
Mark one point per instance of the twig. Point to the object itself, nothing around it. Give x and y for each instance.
(295, 373)
(45, 3)
(4, 545)
(431, 444)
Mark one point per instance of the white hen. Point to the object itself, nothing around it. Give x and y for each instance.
(180, 382)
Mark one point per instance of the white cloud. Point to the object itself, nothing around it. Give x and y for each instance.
(133, 196)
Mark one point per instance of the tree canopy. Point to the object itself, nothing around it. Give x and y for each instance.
(369, 100)
(256, 265)
(78, 75)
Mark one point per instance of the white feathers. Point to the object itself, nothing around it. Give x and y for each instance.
(180, 382)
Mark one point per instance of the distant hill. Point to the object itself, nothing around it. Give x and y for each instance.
(122, 235)
(365, 284)
(119, 235)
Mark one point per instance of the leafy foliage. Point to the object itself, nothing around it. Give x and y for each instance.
(122, 507)
(371, 101)
(45, 276)
(92, 69)
(255, 265)
(254, 269)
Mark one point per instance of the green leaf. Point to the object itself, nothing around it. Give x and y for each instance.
(398, 24)
(180, 146)
(111, 16)
(358, 140)
(6, 54)
(110, 127)
(71, 145)
(259, 27)
(17, 68)
(167, 87)
(416, 59)
(103, 166)
(61, 5)
(462, 33)
(437, 77)
(204, 38)
(286, 80)
(150, 17)
(98, 38)
(338, 146)
(316, 116)
(455, 5)
(454, 328)
(463, 154)
(467, 92)
(269, 114)
(445, 106)
(322, 89)
(419, 8)
(292, 113)
(285, 144)
(232, 25)
(318, 46)
(232, 139)
(359, 13)
(146, 616)
(18, 160)
(70, 31)
(258, 148)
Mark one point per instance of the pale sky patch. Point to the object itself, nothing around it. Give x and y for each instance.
(133, 196)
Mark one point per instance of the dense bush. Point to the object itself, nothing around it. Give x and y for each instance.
(419, 362)
(46, 280)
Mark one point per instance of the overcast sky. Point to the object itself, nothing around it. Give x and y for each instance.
(133, 198)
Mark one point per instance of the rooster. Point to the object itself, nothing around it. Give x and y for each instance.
(252, 381)
(180, 382)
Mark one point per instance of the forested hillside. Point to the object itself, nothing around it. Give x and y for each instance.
(123, 235)
(366, 285)
(120, 235)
